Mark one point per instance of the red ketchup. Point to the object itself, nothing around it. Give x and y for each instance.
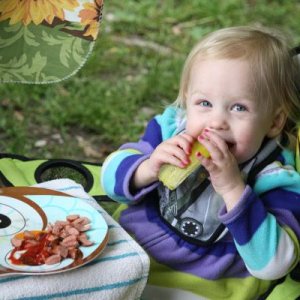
(35, 254)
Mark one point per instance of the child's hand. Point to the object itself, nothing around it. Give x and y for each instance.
(173, 151)
(222, 167)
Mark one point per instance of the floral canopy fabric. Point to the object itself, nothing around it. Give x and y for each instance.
(46, 41)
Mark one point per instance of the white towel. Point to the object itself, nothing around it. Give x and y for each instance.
(120, 272)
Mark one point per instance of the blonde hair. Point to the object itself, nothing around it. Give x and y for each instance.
(274, 71)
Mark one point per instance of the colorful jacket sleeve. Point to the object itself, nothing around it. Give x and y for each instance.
(118, 168)
(265, 222)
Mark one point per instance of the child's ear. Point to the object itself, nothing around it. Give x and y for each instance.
(279, 121)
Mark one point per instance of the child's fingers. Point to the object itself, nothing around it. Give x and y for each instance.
(175, 151)
(218, 141)
(169, 155)
(207, 163)
(212, 148)
(187, 137)
(184, 141)
(175, 161)
(173, 154)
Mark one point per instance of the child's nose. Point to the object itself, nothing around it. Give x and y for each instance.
(219, 122)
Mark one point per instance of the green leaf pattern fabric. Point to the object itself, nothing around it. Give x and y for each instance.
(46, 41)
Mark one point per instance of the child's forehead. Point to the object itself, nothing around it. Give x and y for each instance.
(235, 69)
(226, 78)
(212, 69)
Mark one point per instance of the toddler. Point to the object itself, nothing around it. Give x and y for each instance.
(231, 230)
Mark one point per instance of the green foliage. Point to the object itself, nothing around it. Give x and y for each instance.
(28, 49)
(133, 71)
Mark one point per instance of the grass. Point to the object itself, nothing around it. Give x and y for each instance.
(132, 73)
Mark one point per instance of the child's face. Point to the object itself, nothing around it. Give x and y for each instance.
(219, 99)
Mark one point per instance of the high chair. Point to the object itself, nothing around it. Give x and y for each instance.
(25, 57)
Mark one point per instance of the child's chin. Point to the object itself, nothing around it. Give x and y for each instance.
(239, 159)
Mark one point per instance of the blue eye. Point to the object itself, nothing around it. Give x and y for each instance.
(205, 103)
(239, 107)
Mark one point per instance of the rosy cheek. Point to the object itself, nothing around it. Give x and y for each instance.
(194, 129)
(193, 132)
(190, 129)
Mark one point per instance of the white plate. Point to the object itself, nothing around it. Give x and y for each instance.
(28, 208)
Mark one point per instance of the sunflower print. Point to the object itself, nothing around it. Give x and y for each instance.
(90, 16)
(36, 11)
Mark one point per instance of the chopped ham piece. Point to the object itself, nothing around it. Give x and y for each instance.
(71, 218)
(16, 242)
(60, 240)
(53, 259)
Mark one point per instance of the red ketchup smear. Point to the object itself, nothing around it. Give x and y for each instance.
(35, 254)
